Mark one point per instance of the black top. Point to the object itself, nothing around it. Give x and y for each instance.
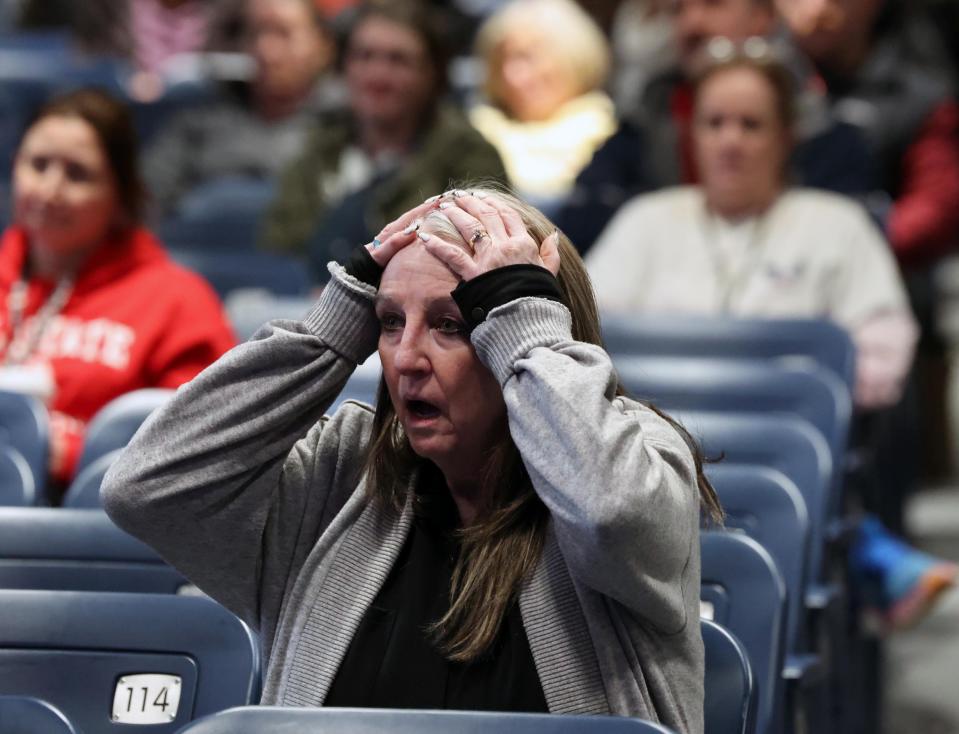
(392, 662)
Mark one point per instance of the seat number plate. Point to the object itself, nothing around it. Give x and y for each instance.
(146, 698)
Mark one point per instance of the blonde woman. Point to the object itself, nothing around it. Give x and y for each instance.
(545, 110)
(503, 531)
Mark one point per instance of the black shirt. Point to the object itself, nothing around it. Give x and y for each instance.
(392, 661)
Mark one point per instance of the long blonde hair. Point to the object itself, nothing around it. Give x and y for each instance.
(501, 548)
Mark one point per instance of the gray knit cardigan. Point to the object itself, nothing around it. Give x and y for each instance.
(243, 484)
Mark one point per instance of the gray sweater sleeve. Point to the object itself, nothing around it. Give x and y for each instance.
(618, 480)
(231, 480)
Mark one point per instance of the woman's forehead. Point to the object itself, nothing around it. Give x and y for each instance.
(414, 267)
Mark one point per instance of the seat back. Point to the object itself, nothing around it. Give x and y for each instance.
(249, 309)
(257, 719)
(25, 425)
(790, 445)
(27, 715)
(730, 687)
(748, 597)
(17, 485)
(110, 660)
(115, 423)
(230, 271)
(788, 387)
(84, 491)
(768, 507)
(82, 550)
(706, 336)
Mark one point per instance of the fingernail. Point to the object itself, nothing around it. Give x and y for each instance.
(479, 194)
(432, 199)
(423, 236)
(459, 192)
(412, 227)
(446, 205)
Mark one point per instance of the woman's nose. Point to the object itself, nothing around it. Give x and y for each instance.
(51, 182)
(410, 357)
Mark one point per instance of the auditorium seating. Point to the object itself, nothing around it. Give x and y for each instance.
(115, 423)
(25, 426)
(82, 550)
(17, 484)
(731, 691)
(818, 340)
(110, 659)
(84, 491)
(747, 595)
(277, 274)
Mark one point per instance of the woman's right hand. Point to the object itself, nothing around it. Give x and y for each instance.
(399, 233)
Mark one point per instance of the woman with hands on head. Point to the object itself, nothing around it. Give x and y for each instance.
(503, 531)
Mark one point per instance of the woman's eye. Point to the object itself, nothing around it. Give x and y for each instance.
(77, 172)
(447, 325)
(390, 321)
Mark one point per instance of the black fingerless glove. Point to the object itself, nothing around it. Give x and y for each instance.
(363, 267)
(477, 297)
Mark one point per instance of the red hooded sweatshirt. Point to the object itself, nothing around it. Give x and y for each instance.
(133, 319)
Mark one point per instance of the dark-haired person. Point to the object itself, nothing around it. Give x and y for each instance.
(504, 531)
(397, 139)
(653, 148)
(90, 305)
(252, 130)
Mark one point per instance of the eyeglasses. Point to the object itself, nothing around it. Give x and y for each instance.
(755, 48)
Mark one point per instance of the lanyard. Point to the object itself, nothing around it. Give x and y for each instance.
(730, 281)
(20, 352)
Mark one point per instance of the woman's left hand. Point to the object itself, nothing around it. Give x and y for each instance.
(497, 235)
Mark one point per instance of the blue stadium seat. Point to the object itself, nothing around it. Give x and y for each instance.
(747, 595)
(115, 423)
(84, 491)
(25, 425)
(108, 659)
(227, 272)
(701, 336)
(258, 719)
(796, 387)
(730, 686)
(767, 506)
(77, 550)
(228, 196)
(248, 310)
(17, 486)
(27, 715)
(789, 445)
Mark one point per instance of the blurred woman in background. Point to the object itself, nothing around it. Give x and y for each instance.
(397, 139)
(746, 243)
(545, 110)
(251, 130)
(90, 305)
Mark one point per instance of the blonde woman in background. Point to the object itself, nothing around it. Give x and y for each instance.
(545, 111)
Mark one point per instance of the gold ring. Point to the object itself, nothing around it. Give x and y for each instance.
(477, 236)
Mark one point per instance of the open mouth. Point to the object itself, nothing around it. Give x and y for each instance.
(422, 409)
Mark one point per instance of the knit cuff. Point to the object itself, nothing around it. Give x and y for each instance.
(343, 317)
(512, 331)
